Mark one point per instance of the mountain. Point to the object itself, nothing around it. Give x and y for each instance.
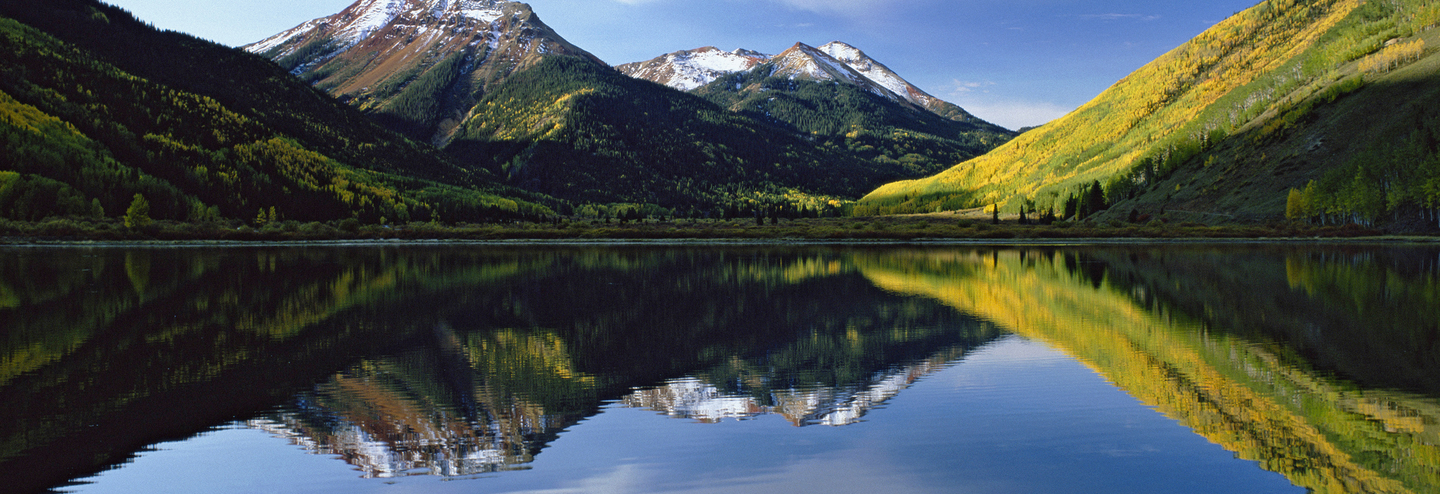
(1324, 111)
(100, 107)
(417, 65)
(493, 86)
(855, 104)
(882, 75)
(836, 61)
(689, 69)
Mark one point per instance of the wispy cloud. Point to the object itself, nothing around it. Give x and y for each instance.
(962, 87)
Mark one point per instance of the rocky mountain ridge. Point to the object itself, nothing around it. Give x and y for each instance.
(418, 65)
(689, 70)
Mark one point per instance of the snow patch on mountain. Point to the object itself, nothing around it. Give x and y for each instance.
(837, 61)
(280, 39)
(373, 15)
(690, 69)
(364, 18)
(858, 61)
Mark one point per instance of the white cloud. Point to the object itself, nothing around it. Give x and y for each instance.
(962, 87)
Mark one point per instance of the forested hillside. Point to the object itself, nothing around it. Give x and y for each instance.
(588, 133)
(1336, 99)
(851, 118)
(100, 113)
(500, 91)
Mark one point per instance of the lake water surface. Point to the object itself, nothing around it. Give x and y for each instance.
(479, 368)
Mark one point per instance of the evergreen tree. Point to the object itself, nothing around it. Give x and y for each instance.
(1095, 198)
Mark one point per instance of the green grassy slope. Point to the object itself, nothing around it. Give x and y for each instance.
(96, 107)
(1224, 126)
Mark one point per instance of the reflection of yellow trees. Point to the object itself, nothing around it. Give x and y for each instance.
(137, 267)
(1316, 432)
(515, 357)
(305, 304)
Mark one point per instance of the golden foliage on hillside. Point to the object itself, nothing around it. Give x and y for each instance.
(1393, 56)
(1261, 70)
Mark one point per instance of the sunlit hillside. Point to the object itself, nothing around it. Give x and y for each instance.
(1222, 127)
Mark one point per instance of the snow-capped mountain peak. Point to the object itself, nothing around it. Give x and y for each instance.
(875, 71)
(366, 17)
(371, 51)
(835, 61)
(689, 69)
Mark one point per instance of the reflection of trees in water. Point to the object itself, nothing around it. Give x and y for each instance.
(95, 366)
(1221, 371)
(460, 360)
(512, 368)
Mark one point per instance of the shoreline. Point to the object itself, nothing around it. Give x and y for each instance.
(724, 242)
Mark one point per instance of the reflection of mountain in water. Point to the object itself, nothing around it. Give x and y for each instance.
(1227, 372)
(441, 361)
(460, 361)
(385, 432)
(693, 398)
(485, 399)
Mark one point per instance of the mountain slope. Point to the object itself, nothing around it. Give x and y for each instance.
(417, 65)
(493, 86)
(689, 69)
(808, 90)
(878, 72)
(1220, 128)
(591, 134)
(99, 107)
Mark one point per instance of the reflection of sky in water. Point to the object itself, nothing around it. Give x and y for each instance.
(1013, 416)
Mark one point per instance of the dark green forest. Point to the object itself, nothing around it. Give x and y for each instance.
(98, 107)
(589, 134)
(849, 118)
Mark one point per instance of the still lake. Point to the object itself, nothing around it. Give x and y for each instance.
(631, 369)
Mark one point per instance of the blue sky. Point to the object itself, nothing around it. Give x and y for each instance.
(1013, 62)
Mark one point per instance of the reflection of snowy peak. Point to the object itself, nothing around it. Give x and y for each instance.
(835, 61)
(695, 399)
(690, 69)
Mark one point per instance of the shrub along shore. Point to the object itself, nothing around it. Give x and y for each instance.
(882, 228)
